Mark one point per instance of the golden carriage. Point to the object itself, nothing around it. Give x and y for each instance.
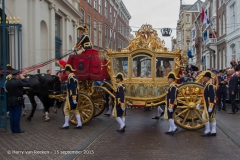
(145, 64)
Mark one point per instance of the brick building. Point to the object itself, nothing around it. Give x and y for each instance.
(108, 23)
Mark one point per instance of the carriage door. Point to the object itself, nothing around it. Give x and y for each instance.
(10, 53)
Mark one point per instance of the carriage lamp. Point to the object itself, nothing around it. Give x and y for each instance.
(166, 32)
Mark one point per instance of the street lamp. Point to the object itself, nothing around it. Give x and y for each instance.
(166, 32)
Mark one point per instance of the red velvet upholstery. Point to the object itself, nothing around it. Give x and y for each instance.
(88, 66)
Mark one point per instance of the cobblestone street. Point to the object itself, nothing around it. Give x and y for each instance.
(144, 139)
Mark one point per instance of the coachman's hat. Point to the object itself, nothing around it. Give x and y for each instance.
(207, 74)
(172, 75)
(80, 27)
(15, 72)
(120, 76)
(68, 67)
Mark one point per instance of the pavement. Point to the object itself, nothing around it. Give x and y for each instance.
(144, 139)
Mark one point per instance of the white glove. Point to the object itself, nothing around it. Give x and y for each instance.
(198, 106)
(74, 102)
(123, 109)
(73, 49)
(209, 109)
(170, 110)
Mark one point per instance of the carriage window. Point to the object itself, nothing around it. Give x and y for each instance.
(164, 66)
(120, 64)
(142, 66)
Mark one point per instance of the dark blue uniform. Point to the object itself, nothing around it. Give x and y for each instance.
(171, 99)
(120, 99)
(233, 87)
(209, 100)
(85, 42)
(15, 101)
(222, 93)
(72, 84)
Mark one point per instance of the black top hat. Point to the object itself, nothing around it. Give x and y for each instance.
(172, 75)
(68, 67)
(15, 72)
(119, 76)
(208, 74)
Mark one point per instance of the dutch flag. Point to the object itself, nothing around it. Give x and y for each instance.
(204, 17)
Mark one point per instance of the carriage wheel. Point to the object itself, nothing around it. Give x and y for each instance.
(85, 108)
(186, 115)
(99, 102)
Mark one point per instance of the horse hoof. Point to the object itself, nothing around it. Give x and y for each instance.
(47, 119)
(28, 119)
(54, 110)
(24, 114)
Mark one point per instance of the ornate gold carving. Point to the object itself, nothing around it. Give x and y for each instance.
(147, 38)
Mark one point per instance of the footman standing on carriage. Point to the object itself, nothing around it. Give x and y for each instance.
(14, 88)
(119, 112)
(71, 99)
(171, 102)
(209, 111)
(84, 42)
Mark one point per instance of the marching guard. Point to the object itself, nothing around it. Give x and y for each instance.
(171, 102)
(209, 111)
(119, 111)
(84, 43)
(71, 99)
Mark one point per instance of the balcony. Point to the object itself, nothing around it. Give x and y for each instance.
(211, 42)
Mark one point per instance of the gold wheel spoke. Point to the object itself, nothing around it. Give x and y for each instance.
(181, 113)
(192, 122)
(86, 110)
(198, 115)
(185, 97)
(181, 107)
(186, 117)
(180, 101)
(86, 115)
(196, 95)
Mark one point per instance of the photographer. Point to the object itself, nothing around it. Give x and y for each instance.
(14, 88)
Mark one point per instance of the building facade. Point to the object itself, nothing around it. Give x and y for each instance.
(48, 29)
(186, 28)
(233, 30)
(209, 41)
(108, 23)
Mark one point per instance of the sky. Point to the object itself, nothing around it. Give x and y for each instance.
(158, 13)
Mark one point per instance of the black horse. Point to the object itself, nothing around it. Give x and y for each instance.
(41, 86)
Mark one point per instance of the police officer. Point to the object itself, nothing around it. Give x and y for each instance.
(222, 91)
(14, 88)
(119, 111)
(209, 107)
(71, 99)
(171, 102)
(84, 42)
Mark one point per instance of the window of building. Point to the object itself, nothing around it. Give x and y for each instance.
(83, 16)
(220, 59)
(179, 36)
(188, 18)
(224, 58)
(223, 24)
(106, 35)
(110, 14)
(100, 35)
(95, 33)
(100, 6)
(220, 25)
(193, 34)
(114, 40)
(232, 17)
(219, 3)
(95, 4)
(233, 51)
(89, 25)
(106, 9)
(114, 14)
(188, 45)
(89, 1)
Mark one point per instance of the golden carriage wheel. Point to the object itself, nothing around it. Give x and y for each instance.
(85, 107)
(98, 100)
(186, 115)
